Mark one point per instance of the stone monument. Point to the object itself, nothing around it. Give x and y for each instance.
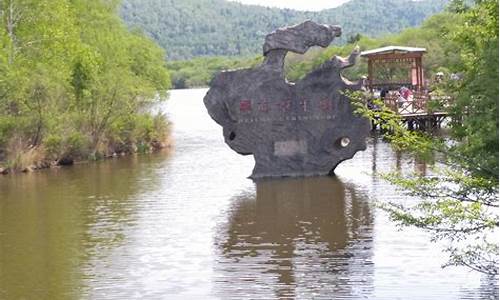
(304, 128)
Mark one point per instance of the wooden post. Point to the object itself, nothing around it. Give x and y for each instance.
(420, 73)
(370, 74)
(417, 73)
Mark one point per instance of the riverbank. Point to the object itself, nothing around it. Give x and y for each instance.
(68, 161)
(39, 158)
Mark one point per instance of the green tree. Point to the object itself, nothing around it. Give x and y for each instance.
(460, 201)
(476, 94)
(70, 72)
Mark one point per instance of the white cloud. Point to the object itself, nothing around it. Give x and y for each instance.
(311, 5)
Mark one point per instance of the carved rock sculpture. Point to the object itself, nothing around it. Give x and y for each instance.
(293, 129)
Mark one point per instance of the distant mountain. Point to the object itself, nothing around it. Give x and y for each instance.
(194, 28)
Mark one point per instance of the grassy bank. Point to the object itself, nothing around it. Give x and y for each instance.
(75, 84)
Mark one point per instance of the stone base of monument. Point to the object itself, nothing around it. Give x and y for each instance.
(306, 155)
(293, 129)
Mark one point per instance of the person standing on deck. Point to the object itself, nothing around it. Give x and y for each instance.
(405, 100)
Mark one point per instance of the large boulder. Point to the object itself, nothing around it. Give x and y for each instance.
(292, 129)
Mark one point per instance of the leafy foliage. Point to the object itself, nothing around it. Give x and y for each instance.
(456, 205)
(69, 71)
(194, 28)
(477, 94)
(460, 202)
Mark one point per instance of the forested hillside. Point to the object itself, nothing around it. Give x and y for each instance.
(73, 83)
(194, 28)
(433, 35)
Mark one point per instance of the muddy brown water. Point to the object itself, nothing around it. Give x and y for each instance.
(188, 224)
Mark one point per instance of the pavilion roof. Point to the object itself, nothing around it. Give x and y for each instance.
(393, 50)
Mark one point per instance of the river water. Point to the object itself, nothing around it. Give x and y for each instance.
(189, 224)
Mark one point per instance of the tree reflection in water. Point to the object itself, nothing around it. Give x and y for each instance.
(59, 228)
(305, 238)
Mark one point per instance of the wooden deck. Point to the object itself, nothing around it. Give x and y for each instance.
(417, 112)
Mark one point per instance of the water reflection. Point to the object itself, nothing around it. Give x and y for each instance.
(488, 290)
(297, 238)
(401, 159)
(56, 225)
(144, 228)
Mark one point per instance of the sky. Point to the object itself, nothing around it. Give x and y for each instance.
(314, 5)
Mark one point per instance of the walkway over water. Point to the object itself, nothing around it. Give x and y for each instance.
(420, 111)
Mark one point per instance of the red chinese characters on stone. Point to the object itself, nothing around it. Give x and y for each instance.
(245, 105)
(263, 106)
(326, 105)
(285, 105)
(304, 105)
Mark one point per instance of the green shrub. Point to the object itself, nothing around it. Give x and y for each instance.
(53, 146)
(77, 145)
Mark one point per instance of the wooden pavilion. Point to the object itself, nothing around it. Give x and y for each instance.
(394, 66)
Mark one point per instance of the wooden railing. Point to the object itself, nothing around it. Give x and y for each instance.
(417, 104)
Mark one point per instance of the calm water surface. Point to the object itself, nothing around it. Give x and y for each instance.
(188, 224)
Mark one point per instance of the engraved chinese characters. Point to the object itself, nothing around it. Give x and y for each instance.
(300, 129)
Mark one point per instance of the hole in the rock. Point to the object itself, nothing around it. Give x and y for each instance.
(232, 136)
(343, 142)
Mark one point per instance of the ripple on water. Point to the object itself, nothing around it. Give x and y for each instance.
(188, 224)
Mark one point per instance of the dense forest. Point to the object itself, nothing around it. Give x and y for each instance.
(194, 28)
(74, 82)
(433, 34)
